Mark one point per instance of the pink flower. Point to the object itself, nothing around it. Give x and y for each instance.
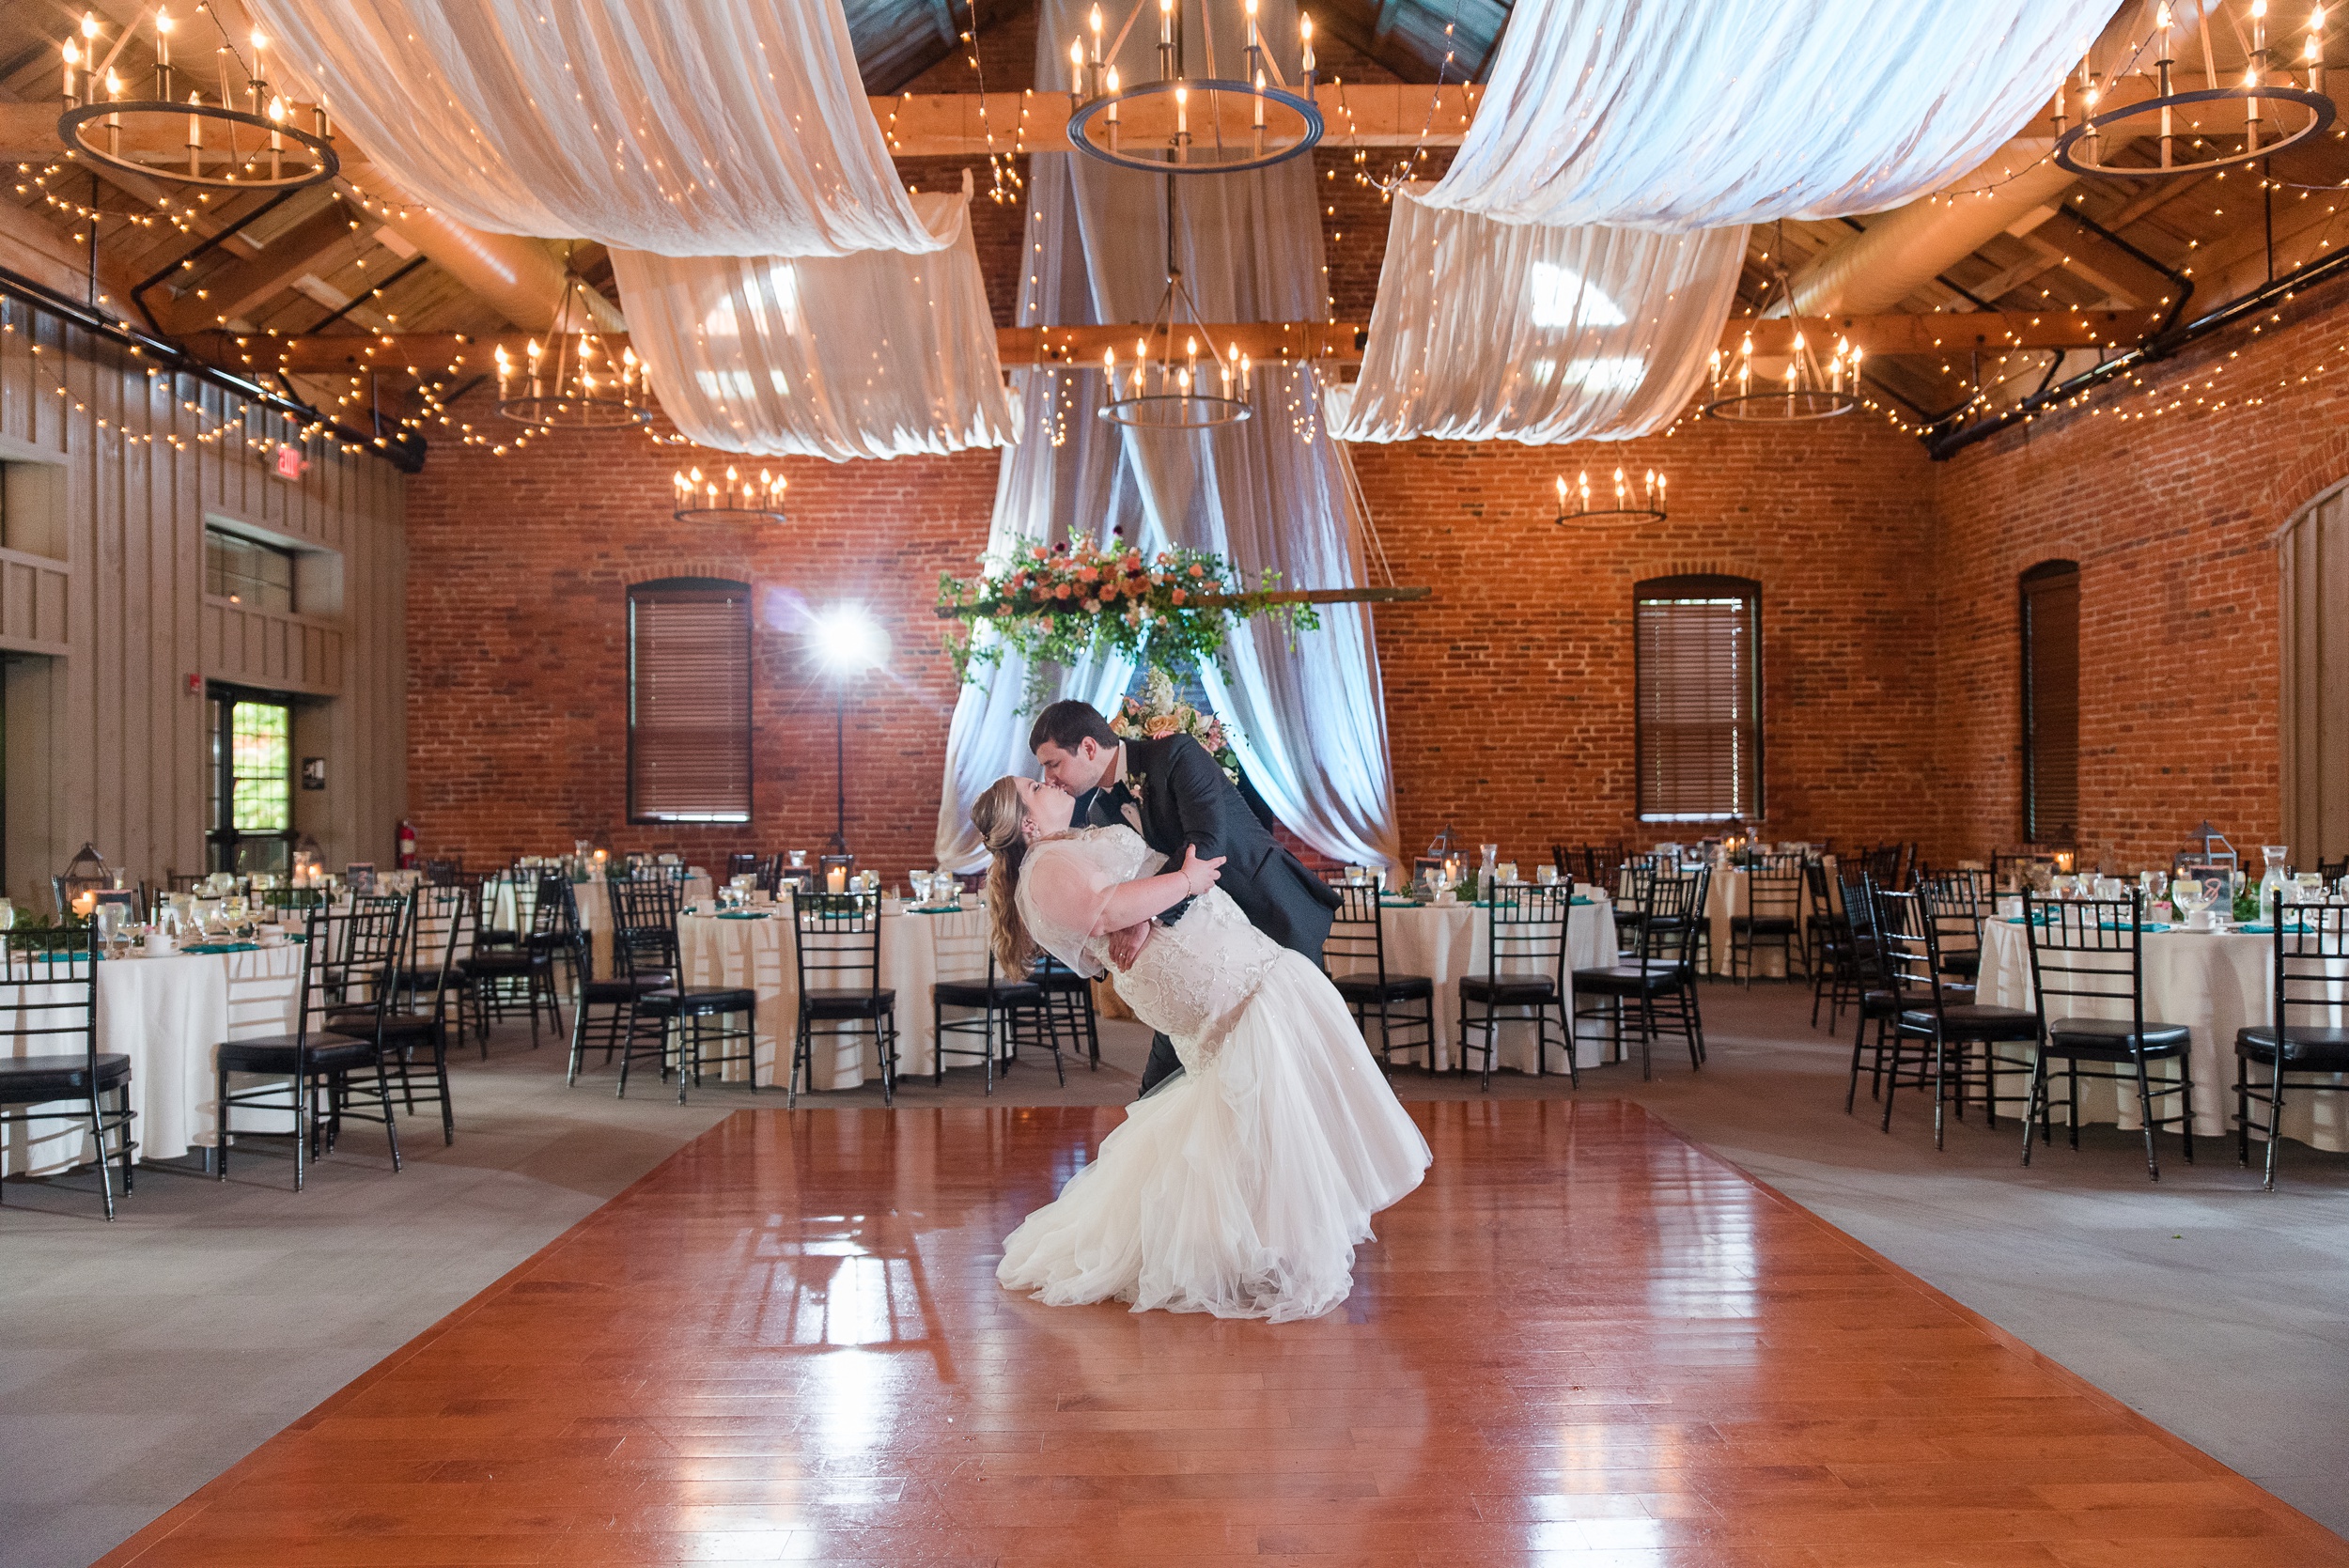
(1198, 571)
(1109, 590)
(1041, 553)
(1060, 592)
(1086, 574)
(1180, 596)
(1093, 607)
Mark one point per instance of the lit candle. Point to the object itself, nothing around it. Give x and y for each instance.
(1076, 70)
(1182, 111)
(195, 152)
(1257, 119)
(1112, 90)
(1659, 492)
(260, 74)
(1561, 495)
(837, 878)
(1095, 21)
(1583, 480)
(163, 37)
(1251, 24)
(1166, 24)
(1305, 38)
(83, 902)
(73, 59)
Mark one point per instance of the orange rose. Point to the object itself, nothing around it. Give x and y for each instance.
(1163, 725)
(1060, 592)
(1180, 596)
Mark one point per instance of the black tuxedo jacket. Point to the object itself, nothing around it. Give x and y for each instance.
(1186, 800)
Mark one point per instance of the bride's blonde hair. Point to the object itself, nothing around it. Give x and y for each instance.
(1002, 821)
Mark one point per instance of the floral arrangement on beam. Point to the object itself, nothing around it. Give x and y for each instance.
(1058, 604)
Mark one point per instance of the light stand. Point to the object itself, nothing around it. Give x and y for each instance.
(847, 641)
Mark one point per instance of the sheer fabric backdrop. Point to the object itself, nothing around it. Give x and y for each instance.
(719, 128)
(1311, 717)
(873, 356)
(1677, 115)
(1487, 331)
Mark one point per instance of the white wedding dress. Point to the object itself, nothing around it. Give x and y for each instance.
(1242, 1186)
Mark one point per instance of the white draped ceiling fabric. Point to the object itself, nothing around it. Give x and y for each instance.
(1669, 117)
(719, 128)
(874, 355)
(790, 295)
(1272, 492)
(1677, 115)
(1536, 334)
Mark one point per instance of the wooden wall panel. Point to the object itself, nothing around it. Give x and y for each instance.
(2315, 563)
(105, 741)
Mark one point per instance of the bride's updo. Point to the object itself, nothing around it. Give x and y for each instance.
(1003, 824)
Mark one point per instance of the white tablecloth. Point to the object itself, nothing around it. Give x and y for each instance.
(916, 951)
(168, 1015)
(2213, 983)
(503, 912)
(1447, 943)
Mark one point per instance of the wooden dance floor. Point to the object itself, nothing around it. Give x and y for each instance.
(1584, 1341)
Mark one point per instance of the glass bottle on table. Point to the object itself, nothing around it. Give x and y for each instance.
(2272, 858)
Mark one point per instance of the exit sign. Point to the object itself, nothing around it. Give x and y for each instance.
(291, 462)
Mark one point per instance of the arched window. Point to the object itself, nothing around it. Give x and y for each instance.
(1696, 645)
(2051, 702)
(2314, 550)
(688, 701)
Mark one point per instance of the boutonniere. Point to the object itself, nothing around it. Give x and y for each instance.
(1134, 782)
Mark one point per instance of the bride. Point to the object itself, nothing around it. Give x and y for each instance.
(1240, 1186)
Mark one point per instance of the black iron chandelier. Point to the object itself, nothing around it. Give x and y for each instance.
(191, 140)
(2263, 114)
(1183, 124)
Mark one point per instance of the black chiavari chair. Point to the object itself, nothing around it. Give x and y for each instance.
(518, 974)
(1526, 931)
(603, 1010)
(705, 1026)
(1000, 1003)
(1658, 975)
(1875, 1002)
(49, 1000)
(1355, 958)
(1956, 1038)
(1773, 915)
(2305, 1045)
(351, 959)
(836, 948)
(2091, 953)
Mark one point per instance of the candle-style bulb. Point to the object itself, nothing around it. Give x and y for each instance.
(90, 27)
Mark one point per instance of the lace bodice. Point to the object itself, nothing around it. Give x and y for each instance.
(1190, 979)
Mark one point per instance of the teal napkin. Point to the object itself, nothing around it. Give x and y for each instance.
(223, 947)
(744, 914)
(2257, 928)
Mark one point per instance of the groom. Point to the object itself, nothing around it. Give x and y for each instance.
(1173, 794)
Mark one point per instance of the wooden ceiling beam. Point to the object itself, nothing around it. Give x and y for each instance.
(237, 291)
(1266, 342)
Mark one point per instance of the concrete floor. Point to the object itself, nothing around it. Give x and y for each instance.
(138, 1360)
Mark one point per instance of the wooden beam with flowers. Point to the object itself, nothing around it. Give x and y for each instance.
(1059, 604)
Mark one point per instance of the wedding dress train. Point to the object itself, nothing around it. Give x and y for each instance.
(1242, 1187)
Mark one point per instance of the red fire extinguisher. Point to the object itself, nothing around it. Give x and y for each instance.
(407, 844)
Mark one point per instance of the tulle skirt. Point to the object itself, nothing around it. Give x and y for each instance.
(1242, 1187)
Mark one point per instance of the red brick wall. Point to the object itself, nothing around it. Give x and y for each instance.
(2170, 516)
(1509, 697)
(518, 572)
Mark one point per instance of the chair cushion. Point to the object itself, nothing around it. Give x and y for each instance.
(1626, 980)
(1060, 982)
(276, 1053)
(1399, 987)
(2108, 1039)
(1973, 1021)
(1508, 990)
(1966, 961)
(2310, 1048)
(505, 960)
(847, 1004)
(1765, 925)
(27, 1079)
(614, 993)
(978, 993)
(720, 999)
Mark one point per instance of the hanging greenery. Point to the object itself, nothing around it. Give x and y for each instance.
(1055, 605)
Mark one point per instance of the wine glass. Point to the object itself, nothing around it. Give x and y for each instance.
(2190, 896)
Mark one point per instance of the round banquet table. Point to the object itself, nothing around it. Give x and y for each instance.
(1448, 941)
(917, 950)
(168, 1015)
(2213, 983)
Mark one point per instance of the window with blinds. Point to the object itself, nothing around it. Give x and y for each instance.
(1697, 641)
(688, 701)
(2051, 702)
